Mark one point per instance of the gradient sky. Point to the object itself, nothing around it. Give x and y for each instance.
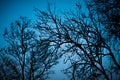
(10, 10)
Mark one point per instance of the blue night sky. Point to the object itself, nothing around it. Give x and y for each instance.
(13, 9)
(10, 10)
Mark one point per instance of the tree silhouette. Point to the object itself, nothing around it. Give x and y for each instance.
(80, 36)
(28, 56)
(109, 13)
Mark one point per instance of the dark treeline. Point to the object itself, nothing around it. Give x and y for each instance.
(91, 40)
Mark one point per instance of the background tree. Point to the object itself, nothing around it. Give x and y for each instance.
(7, 67)
(42, 58)
(29, 56)
(109, 12)
(18, 37)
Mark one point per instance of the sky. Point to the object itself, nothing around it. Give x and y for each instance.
(11, 10)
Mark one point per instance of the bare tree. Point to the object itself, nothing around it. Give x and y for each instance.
(109, 13)
(80, 35)
(18, 37)
(42, 58)
(30, 57)
(7, 67)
